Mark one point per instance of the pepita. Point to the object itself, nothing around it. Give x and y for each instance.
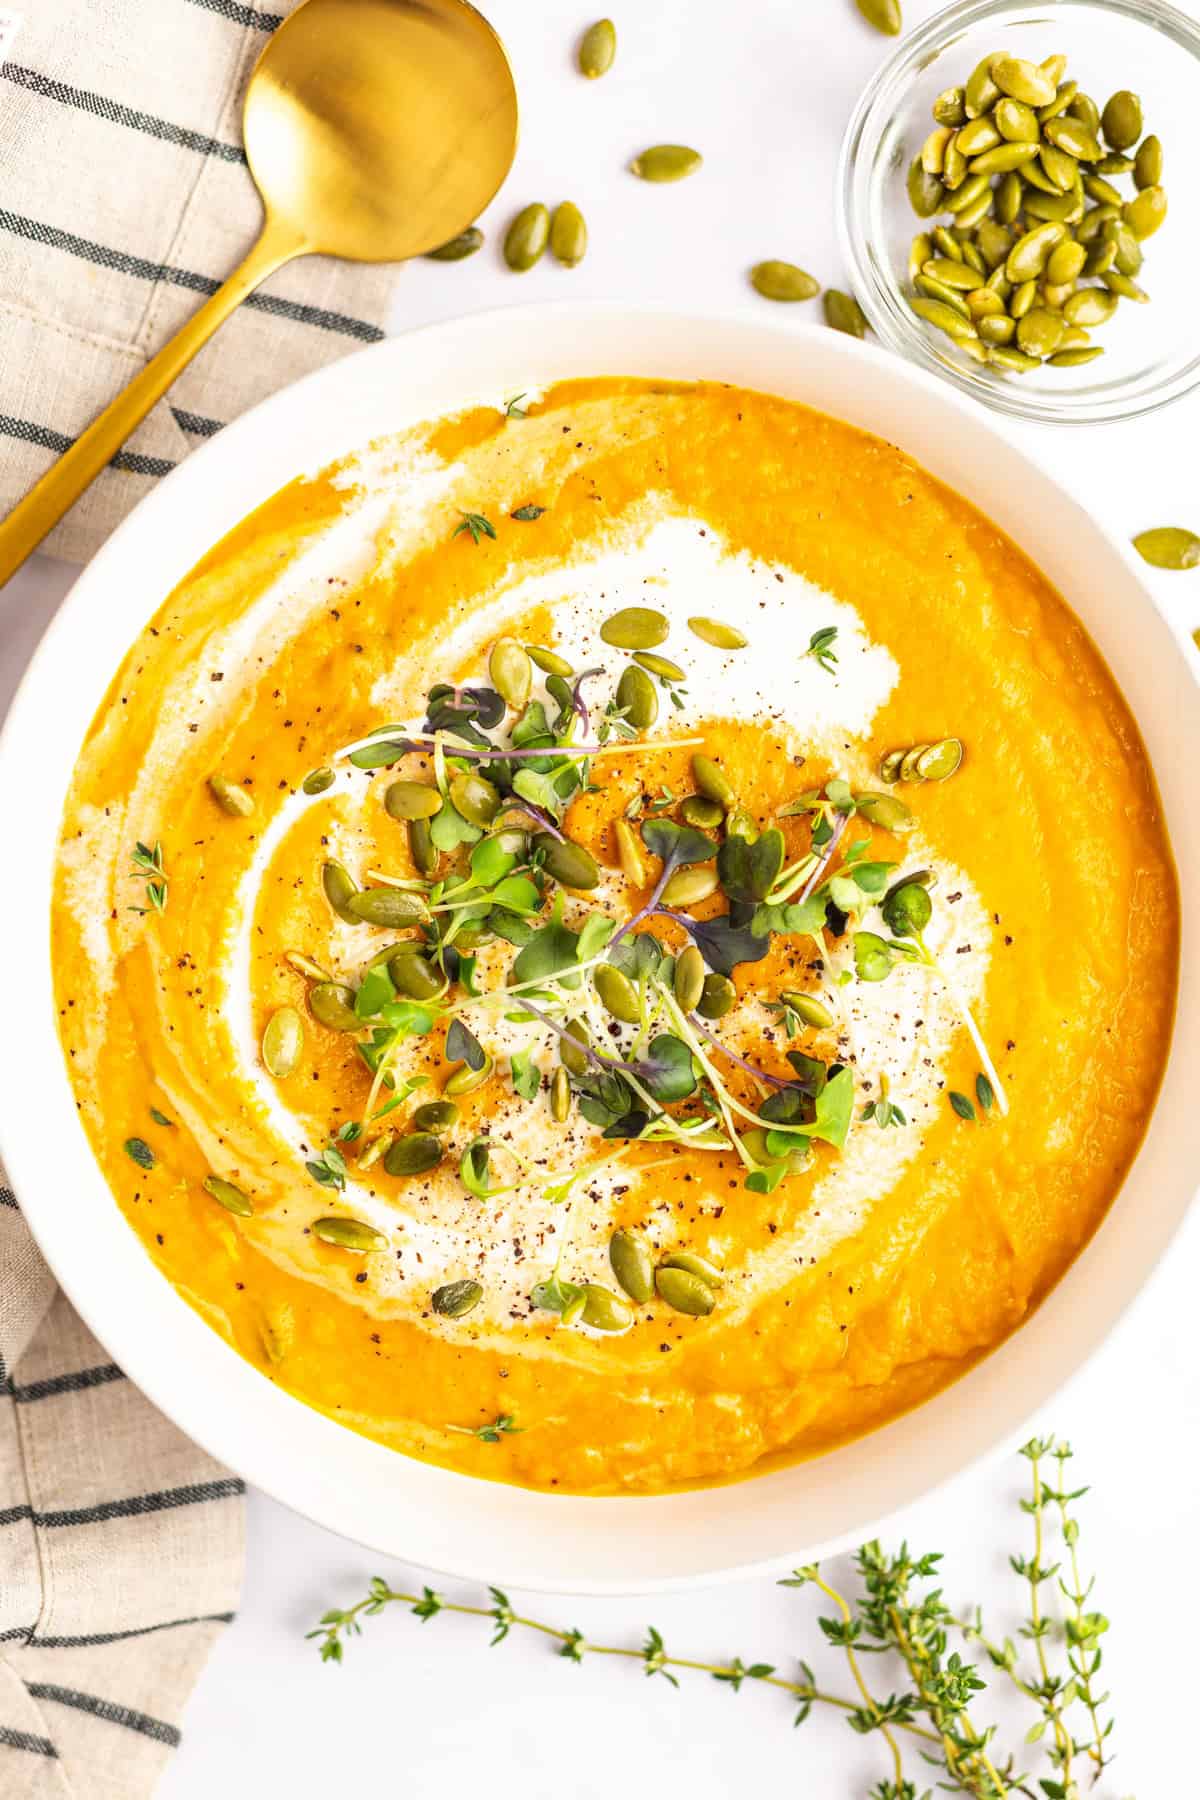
(632, 1264)
(712, 781)
(689, 885)
(809, 1009)
(465, 1079)
(1146, 213)
(389, 907)
(925, 191)
(231, 798)
(456, 248)
(629, 853)
(1090, 306)
(1073, 136)
(637, 697)
(527, 237)
(706, 815)
(684, 1292)
(884, 15)
(886, 811)
(414, 1154)
(475, 798)
(456, 1299)
(666, 162)
(571, 1051)
(717, 633)
(566, 862)
(843, 313)
(318, 781)
(940, 760)
(560, 1096)
(1169, 547)
(1072, 357)
(689, 978)
(339, 890)
(597, 49)
(980, 91)
(950, 107)
(717, 998)
(1148, 163)
(708, 1272)
(438, 1116)
(776, 280)
(511, 674)
(406, 800)
(282, 1042)
(635, 628)
(1021, 80)
(304, 965)
(421, 847)
(549, 661)
(605, 1311)
(1116, 283)
(226, 1194)
(659, 665)
(568, 235)
(350, 1234)
(375, 1148)
(332, 1004)
(617, 994)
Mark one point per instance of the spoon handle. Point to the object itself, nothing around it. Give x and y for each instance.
(59, 488)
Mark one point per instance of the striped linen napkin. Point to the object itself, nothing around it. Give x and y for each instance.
(124, 201)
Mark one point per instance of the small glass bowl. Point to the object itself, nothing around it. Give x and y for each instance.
(1151, 352)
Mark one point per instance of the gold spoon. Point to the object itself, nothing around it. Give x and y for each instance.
(375, 130)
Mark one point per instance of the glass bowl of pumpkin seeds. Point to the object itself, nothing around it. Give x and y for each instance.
(1020, 209)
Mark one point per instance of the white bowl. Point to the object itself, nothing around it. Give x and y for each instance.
(427, 1515)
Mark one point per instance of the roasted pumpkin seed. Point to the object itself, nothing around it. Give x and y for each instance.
(1005, 357)
(1148, 163)
(438, 1116)
(659, 665)
(1072, 357)
(949, 273)
(377, 1147)
(809, 1009)
(566, 862)
(475, 798)
(282, 1042)
(511, 674)
(226, 1194)
(666, 162)
(843, 313)
(231, 798)
(456, 248)
(389, 907)
(950, 107)
(1116, 283)
(549, 661)
(597, 49)
(886, 811)
(1146, 213)
(632, 1264)
(1008, 198)
(940, 760)
(629, 853)
(571, 1048)
(1073, 136)
(318, 781)
(975, 187)
(332, 1004)
(706, 815)
(689, 978)
(776, 280)
(1090, 306)
(637, 698)
(1169, 547)
(925, 191)
(712, 781)
(884, 15)
(456, 1299)
(936, 312)
(339, 890)
(1016, 121)
(304, 965)
(406, 800)
(617, 994)
(527, 237)
(421, 847)
(700, 1266)
(933, 150)
(560, 1096)
(568, 234)
(1021, 80)
(684, 1292)
(980, 91)
(688, 886)
(605, 1311)
(972, 139)
(1040, 331)
(717, 633)
(1065, 262)
(635, 628)
(414, 1154)
(717, 998)
(1084, 108)
(350, 1234)
(465, 1079)
(1002, 159)
(1030, 254)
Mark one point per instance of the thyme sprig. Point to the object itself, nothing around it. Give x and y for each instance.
(894, 1613)
(148, 866)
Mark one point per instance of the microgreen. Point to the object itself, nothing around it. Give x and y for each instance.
(526, 1076)
(503, 1425)
(477, 525)
(462, 1046)
(820, 648)
(148, 866)
(473, 1168)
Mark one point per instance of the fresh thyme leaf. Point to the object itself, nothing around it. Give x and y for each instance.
(329, 1169)
(503, 1425)
(820, 648)
(148, 863)
(513, 408)
(161, 1118)
(526, 1076)
(477, 524)
(985, 1093)
(139, 1151)
(528, 512)
(962, 1106)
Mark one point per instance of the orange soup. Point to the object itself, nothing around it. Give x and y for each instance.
(608, 942)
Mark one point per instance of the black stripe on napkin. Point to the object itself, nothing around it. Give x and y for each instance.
(131, 461)
(226, 1488)
(66, 1384)
(114, 113)
(122, 263)
(118, 1637)
(195, 424)
(8, 1198)
(25, 1740)
(237, 14)
(10, 1515)
(108, 1710)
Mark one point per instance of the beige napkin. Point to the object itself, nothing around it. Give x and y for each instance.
(124, 201)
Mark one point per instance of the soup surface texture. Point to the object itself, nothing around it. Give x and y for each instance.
(934, 1012)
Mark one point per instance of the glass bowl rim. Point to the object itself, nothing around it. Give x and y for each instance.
(883, 308)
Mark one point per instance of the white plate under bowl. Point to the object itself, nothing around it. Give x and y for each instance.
(446, 1521)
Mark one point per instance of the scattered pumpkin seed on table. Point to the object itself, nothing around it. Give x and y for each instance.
(717, 633)
(568, 234)
(843, 313)
(597, 49)
(456, 248)
(884, 15)
(1169, 547)
(666, 162)
(527, 237)
(776, 280)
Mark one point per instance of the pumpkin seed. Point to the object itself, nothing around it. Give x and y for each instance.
(1065, 262)
(377, 1148)
(1090, 306)
(414, 1154)
(282, 1042)
(597, 48)
(304, 965)
(1146, 213)
(972, 257)
(605, 1311)
(843, 313)
(1084, 108)
(666, 162)
(1073, 337)
(936, 312)
(389, 907)
(568, 234)
(227, 1195)
(706, 1271)
(688, 886)
(1148, 163)
(571, 1050)
(1169, 547)
(776, 280)
(974, 138)
(1022, 80)
(689, 978)
(1098, 189)
(632, 1264)
(566, 862)
(1002, 159)
(1116, 283)
(974, 214)
(973, 188)
(1008, 198)
(684, 1292)
(1005, 357)
(706, 815)
(350, 1234)
(572, 1312)
(889, 766)
(318, 781)
(1101, 256)
(637, 696)
(339, 890)
(884, 15)
(1040, 331)
(980, 92)
(511, 674)
(997, 329)
(950, 273)
(629, 853)
(994, 243)
(886, 811)
(475, 798)
(717, 633)
(1030, 254)
(810, 1009)
(948, 244)
(617, 994)
(973, 348)
(634, 628)
(1070, 358)
(712, 781)
(1063, 97)
(982, 303)
(908, 762)
(738, 823)
(933, 150)
(717, 998)
(935, 290)
(231, 798)
(1064, 209)
(1073, 136)
(332, 1004)
(1127, 251)
(456, 248)
(421, 847)
(438, 1116)
(940, 760)
(560, 1096)
(549, 661)
(659, 665)
(1094, 223)
(456, 1298)
(925, 191)
(406, 800)
(1016, 121)
(527, 237)
(1054, 66)
(465, 1079)
(950, 107)
(1115, 165)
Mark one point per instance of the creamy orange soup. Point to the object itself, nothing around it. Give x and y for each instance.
(838, 1176)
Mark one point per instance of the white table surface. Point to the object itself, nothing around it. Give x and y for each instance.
(763, 89)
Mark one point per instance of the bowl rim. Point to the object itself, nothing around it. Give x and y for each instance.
(235, 1412)
(880, 300)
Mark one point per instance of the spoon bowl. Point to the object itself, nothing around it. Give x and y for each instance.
(378, 129)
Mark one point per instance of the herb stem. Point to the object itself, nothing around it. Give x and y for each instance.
(832, 1593)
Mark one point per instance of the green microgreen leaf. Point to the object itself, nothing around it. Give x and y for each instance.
(375, 991)
(594, 934)
(555, 1294)
(748, 870)
(676, 844)
(834, 1109)
(448, 829)
(666, 1070)
(473, 1167)
(526, 1076)
(552, 950)
(463, 1046)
